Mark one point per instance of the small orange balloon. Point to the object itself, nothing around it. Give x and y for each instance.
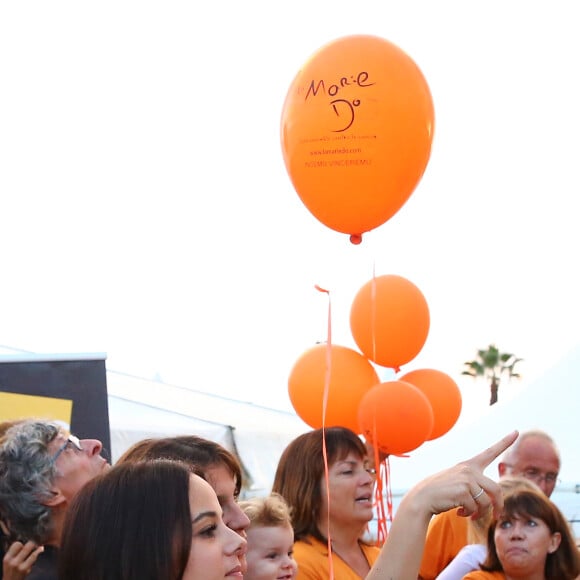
(395, 417)
(443, 394)
(351, 375)
(356, 132)
(389, 320)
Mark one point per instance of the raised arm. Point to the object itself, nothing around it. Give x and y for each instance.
(462, 486)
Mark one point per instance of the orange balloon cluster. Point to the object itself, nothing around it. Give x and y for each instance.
(398, 416)
(356, 132)
(389, 321)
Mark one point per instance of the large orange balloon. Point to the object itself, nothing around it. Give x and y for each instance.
(443, 394)
(389, 320)
(395, 417)
(356, 132)
(351, 375)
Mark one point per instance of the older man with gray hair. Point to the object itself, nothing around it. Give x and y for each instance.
(42, 467)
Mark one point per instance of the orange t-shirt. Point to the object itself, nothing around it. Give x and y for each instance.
(312, 560)
(482, 575)
(446, 535)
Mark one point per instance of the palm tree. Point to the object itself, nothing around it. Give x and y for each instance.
(491, 364)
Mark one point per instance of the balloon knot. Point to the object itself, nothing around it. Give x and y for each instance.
(355, 239)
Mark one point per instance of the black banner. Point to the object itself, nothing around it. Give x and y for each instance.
(70, 388)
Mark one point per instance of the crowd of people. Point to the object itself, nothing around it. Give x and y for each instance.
(170, 509)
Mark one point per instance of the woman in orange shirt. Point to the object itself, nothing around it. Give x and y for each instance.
(331, 513)
(530, 540)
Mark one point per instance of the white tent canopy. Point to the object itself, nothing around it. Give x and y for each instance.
(550, 403)
(139, 408)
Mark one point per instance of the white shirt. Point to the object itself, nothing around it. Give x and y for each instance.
(468, 559)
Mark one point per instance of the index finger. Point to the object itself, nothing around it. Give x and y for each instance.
(483, 459)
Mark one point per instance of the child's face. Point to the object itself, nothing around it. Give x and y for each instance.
(269, 553)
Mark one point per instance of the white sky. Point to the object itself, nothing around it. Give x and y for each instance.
(146, 211)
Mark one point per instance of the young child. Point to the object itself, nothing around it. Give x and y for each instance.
(270, 539)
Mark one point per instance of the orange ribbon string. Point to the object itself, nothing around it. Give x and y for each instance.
(327, 375)
(382, 469)
(374, 312)
(383, 493)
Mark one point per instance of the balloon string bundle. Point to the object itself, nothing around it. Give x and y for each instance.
(327, 375)
(382, 467)
(382, 492)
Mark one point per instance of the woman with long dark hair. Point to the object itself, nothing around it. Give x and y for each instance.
(151, 520)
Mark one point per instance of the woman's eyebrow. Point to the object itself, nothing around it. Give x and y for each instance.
(201, 515)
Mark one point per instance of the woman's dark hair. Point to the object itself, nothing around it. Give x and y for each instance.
(564, 563)
(300, 471)
(196, 451)
(131, 523)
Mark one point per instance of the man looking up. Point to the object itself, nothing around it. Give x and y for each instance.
(534, 456)
(42, 467)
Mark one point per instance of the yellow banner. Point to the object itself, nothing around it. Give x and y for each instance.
(14, 406)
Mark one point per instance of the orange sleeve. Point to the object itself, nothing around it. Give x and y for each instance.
(446, 535)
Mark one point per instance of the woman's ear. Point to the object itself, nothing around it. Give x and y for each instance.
(555, 542)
